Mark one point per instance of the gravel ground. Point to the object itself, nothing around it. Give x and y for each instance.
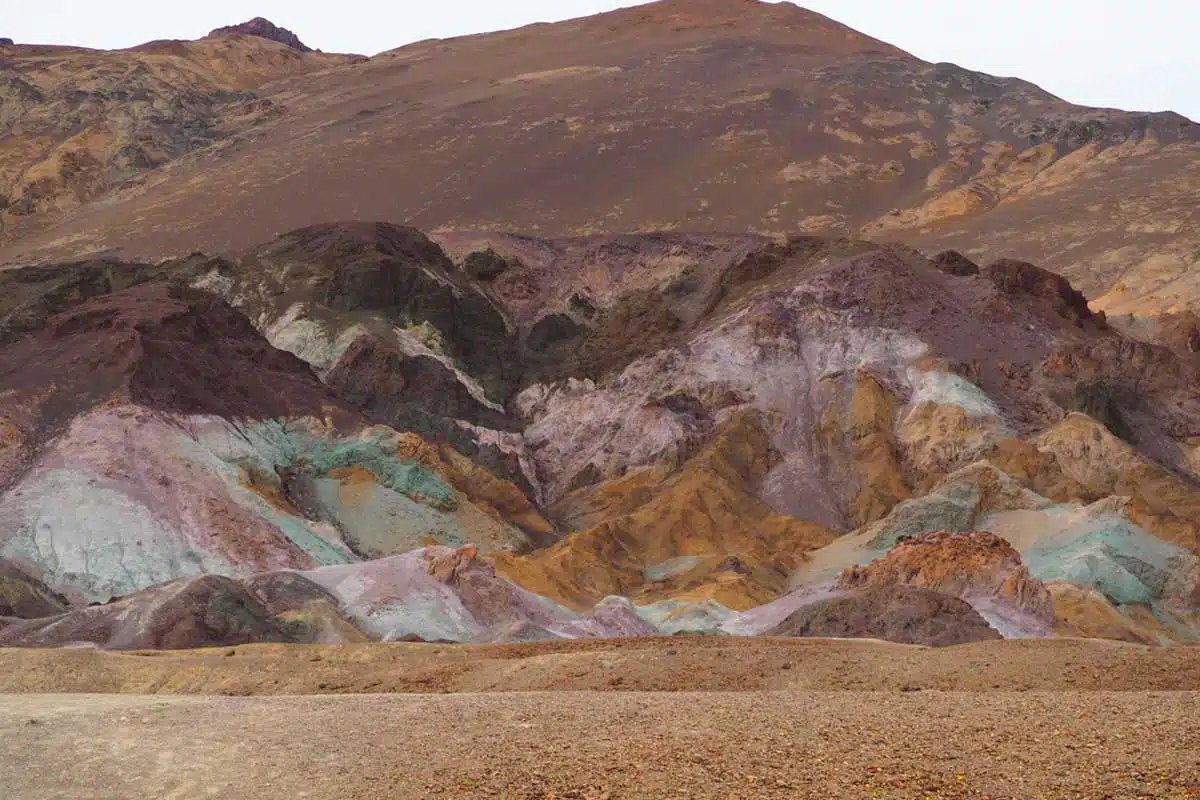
(681, 717)
(604, 745)
(662, 664)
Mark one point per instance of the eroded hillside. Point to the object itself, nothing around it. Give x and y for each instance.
(352, 432)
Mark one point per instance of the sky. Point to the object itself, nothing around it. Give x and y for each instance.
(1139, 56)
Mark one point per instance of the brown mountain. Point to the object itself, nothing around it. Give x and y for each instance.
(710, 115)
(78, 125)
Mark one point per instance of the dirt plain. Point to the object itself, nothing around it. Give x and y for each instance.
(654, 718)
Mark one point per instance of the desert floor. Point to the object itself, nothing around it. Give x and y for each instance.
(658, 718)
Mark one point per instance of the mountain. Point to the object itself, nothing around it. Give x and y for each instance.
(352, 431)
(79, 125)
(724, 319)
(700, 115)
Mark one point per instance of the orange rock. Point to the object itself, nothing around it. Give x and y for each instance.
(738, 551)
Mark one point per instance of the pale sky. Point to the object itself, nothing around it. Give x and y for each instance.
(1141, 56)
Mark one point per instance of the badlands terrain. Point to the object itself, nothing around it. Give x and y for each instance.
(712, 400)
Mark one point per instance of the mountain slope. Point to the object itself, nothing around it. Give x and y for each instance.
(77, 124)
(712, 115)
(517, 438)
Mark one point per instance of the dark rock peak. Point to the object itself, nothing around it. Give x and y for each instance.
(953, 262)
(4, 42)
(266, 29)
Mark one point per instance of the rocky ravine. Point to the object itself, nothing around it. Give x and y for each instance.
(353, 432)
(710, 115)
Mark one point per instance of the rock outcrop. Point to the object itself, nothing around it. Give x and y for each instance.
(1022, 278)
(265, 29)
(969, 565)
(953, 262)
(892, 612)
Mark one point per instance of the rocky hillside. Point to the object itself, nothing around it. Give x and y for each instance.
(78, 125)
(701, 115)
(356, 432)
(243, 399)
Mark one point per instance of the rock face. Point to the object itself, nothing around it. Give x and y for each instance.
(265, 29)
(695, 533)
(152, 434)
(787, 112)
(893, 612)
(159, 346)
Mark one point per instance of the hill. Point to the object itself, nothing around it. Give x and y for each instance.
(696, 115)
(353, 432)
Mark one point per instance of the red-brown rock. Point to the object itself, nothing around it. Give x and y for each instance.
(964, 565)
(891, 612)
(1022, 278)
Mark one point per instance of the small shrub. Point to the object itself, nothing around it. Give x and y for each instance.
(428, 335)
(581, 306)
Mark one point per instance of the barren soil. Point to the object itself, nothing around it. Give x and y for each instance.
(669, 664)
(655, 718)
(615, 745)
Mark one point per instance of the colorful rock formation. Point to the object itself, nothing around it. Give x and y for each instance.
(611, 436)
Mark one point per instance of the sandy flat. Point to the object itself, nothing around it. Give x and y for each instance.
(682, 663)
(658, 718)
(592, 745)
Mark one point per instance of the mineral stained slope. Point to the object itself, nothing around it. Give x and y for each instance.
(242, 401)
(354, 432)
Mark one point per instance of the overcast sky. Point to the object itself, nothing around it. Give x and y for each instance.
(1141, 56)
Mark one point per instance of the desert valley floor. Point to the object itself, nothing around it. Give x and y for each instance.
(692, 717)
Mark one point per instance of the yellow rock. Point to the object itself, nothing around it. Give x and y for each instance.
(735, 548)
